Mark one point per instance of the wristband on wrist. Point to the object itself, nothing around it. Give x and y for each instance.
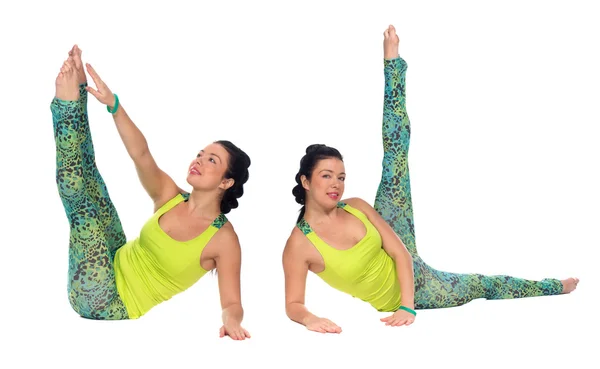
(114, 109)
(408, 309)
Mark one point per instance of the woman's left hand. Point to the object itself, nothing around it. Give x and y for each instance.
(103, 93)
(235, 331)
(399, 318)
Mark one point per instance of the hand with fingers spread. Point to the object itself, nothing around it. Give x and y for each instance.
(399, 318)
(102, 92)
(322, 325)
(235, 331)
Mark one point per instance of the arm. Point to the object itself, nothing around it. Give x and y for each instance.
(228, 263)
(295, 267)
(295, 271)
(159, 186)
(394, 247)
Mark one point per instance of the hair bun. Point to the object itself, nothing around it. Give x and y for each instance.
(314, 147)
(237, 169)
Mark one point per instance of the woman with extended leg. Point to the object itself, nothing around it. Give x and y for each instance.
(369, 252)
(188, 235)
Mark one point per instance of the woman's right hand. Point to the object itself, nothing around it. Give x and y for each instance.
(103, 93)
(322, 325)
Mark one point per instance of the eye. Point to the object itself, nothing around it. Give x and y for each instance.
(212, 161)
(342, 179)
(326, 176)
(198, 155)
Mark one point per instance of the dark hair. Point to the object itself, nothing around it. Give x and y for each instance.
(237, 169)
(314, 154)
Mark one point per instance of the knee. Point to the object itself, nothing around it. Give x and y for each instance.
(86, 306)
(79, 305)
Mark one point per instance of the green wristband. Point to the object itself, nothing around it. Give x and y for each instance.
(114, 110)
(408, 309)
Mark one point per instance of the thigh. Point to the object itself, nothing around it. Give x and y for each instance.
(91, 285)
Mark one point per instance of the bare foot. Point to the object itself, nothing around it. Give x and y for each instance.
(390, 43)
(66, 83)
(75, 59)
(569, 284)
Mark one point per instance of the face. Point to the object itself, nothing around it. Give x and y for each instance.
(326, 184)
(207, 171)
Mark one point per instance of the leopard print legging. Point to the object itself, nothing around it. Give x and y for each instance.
(433, 288)
(96, 231)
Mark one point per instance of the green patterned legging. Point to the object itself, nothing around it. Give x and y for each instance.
(433, 288)
(96, 231)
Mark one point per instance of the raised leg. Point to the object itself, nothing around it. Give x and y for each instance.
(433, 288)
(91, 284)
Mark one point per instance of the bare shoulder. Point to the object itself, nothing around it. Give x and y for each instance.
(360, 204)
(367, 209)
(295, 246)
(168, 196)
(294, 241)
(226, 239)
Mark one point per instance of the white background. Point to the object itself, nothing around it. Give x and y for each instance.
(503, 101)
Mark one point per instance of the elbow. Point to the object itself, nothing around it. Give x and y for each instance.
(293, 310)
(140, 154)
(289, 310)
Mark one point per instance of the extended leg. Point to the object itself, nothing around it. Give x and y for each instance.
(433, 288)
(91, 286)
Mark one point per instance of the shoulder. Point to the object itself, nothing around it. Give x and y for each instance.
(366, 209)
(295, 245)
(227, 238)
(295, 238)
(170, 196)
(372, 215)
(359, 204)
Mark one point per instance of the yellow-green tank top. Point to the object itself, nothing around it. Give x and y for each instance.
(154, 267)
(364, 271)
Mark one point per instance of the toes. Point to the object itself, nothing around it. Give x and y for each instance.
(77, 57)
(392, 32)
(77, 52)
